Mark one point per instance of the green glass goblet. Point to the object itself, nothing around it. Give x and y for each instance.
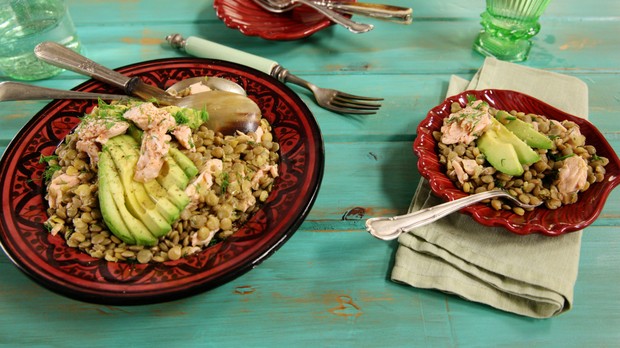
(507, 28)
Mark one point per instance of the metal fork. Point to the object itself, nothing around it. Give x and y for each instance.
(329, 99)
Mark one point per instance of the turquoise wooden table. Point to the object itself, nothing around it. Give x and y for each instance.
(329, 284)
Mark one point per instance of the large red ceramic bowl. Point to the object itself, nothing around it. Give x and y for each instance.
(252, 20)
(568, 218)
(49, 261)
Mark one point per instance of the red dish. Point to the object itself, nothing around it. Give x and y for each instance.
(568, 218)
(252, 20)
(50, 262)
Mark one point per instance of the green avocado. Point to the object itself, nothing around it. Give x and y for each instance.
(109, 211)
(184, 162)
(135, 132)
(173, 180)
(115, 214)
(124, 151)
(160, 197)
(172, 175)
(499, 153)
(524, 131)
(525, 153)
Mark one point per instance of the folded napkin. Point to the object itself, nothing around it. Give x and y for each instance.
(532, 275)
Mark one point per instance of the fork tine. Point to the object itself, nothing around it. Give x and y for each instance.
(356, 104)
(358, 97)
(345, 110)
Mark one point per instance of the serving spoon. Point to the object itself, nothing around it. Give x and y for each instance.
(228, 112)
(216, 83)
(388, 228)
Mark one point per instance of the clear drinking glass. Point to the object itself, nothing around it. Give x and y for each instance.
(508, 26)
(23, 25)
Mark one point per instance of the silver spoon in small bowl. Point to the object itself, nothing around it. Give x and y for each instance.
(389, 228)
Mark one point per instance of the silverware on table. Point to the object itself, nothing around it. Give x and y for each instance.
(388, 228)
(329, 99)
(279, 6)
(11, 91)
(228, 112)
(397, 14)
(62, 57)
(15, 91)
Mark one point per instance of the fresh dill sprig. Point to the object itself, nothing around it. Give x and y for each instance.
(48, 173)
(204, 115)
(47, 159)
(52, 166)
(557, 158)
(180, 117)
(225, 182)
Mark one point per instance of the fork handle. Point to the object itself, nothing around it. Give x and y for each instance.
(63, 57)
(203, 48)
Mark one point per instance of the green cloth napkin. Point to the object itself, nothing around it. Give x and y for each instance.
(532, 275)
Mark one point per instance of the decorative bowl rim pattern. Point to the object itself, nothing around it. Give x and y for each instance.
(50, 262)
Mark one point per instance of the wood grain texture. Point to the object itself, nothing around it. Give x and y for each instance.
(329, 285)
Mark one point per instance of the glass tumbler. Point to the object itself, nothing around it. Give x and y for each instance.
(23, 25)
(507, 28)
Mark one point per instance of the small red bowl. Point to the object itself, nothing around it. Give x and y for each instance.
(567, 218)
(252, 20)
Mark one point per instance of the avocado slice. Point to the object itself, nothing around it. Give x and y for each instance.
(109, 211)
(184, 162)
(157, 223)
(115, 214)
(500, 154)
(125, 152)
(176, 195)
(172, 175)
(525, 153)
(135, 132)
(159, 196)
(524, 131)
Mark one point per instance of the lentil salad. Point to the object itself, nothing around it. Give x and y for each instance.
(242, 169)
(570, 166)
